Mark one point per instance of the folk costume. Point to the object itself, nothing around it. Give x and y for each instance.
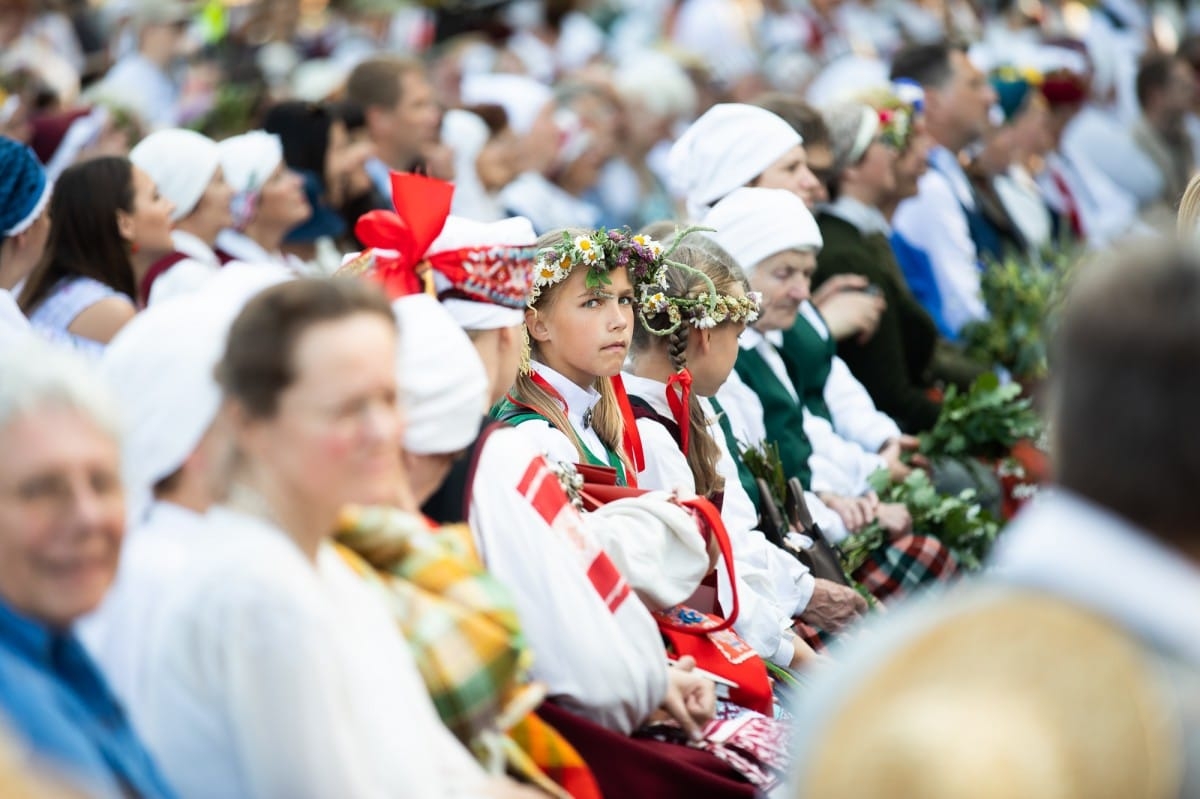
(248, 160)
(906, 355)
(753, 224)
(183, 181)
(773, 586)
(359, 718)
(597, 649)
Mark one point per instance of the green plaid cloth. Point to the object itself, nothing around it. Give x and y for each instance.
(459, 621)
(896, 569)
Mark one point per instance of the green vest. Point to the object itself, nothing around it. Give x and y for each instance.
(783, 416)
(809, 359)
(509, 412)
(745, 476)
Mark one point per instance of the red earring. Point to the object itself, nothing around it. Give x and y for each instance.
(133, 248)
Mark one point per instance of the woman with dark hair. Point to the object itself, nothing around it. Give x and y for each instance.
(317, 146)
(108, 225)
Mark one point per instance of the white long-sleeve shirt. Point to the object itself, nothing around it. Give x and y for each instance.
(934, 221)
(855, 416)
(654, 543)
(596, 647)
(745, 413)
(154, 555)
(772, 585)
(272, 676)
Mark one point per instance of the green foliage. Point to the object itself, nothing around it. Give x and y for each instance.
(957, 521)
(232, 113)
(1022, 295)
(764, 463)
(984, 422)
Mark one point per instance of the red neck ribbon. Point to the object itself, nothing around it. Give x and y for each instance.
(422, 205)
(631, 441)
(680, 404)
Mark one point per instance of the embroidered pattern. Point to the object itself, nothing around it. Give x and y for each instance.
(498, 275)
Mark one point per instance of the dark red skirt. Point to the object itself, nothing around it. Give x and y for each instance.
(633, 768)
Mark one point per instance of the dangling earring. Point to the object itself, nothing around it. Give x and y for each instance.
(133, 248)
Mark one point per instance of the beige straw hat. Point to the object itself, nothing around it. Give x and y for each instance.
(1019, 696)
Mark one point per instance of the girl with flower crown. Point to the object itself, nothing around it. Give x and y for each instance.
(684, 349)
(579, 323)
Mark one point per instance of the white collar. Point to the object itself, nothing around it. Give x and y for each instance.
(194, 247)
(813, 317)
(654, 392)
(243, 248)
(580, 401)
(866, 219)
(1075, 548)
(166, 520)
(946, 164)
(750, 339)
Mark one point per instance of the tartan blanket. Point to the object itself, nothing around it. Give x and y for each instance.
(896, 569)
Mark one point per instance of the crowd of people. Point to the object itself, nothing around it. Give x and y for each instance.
(385, 392)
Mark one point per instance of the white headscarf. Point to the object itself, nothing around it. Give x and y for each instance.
(845, 78)
(181, 163)
(754, 224)
(160, 366)
(727, 147)
(466, 134)
(461, 233)
(521, 97)
(443, 383)
(247, 161)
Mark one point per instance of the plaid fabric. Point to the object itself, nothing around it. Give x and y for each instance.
(546, 751)
(460, 622)
(810, 635)
(895, 570)
(462, 628)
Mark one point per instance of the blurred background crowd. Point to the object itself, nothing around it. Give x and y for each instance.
(564, 111)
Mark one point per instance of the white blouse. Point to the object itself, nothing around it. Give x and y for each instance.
(772, 586)
(271, 676)
(595, 646)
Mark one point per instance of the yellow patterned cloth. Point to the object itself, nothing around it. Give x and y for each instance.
(463, 630)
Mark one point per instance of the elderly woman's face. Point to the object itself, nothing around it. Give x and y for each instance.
(62, 514)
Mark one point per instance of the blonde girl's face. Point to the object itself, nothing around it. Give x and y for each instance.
(712, 352)
(584, 333)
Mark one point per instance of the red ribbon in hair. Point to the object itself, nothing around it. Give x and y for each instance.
(422, 205)
(680, 404)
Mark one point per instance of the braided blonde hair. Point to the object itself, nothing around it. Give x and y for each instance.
(703, 258)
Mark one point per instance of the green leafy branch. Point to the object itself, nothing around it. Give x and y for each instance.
(958, 521)
(1022, 295)
(986, 421)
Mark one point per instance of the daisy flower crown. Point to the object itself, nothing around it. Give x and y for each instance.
(647, 260)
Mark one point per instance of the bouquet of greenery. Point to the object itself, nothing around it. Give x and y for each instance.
(1021, 295)
(986, 421)
(957, 521)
